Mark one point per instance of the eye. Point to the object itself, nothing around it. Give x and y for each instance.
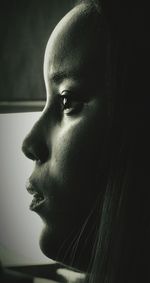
(70, 103)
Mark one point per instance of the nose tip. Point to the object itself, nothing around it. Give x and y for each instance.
(35, 149)
(28, 151)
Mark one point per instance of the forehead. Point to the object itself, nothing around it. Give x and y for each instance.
(73, 47)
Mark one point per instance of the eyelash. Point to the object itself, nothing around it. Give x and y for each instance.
(70, 104)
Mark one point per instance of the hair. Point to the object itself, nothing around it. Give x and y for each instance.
(121, 249)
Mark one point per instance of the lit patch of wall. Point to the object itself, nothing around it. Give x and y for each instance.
(19, 227)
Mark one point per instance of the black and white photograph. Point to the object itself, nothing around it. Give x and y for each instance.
(74, 141)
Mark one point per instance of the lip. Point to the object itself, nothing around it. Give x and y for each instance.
(37, 203)
(38, 197)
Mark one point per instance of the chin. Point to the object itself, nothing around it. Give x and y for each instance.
(48, 242)
(59, 248)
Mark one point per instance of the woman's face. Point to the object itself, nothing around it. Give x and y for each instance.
(67, 141)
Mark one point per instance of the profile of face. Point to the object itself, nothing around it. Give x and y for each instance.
(67, 141)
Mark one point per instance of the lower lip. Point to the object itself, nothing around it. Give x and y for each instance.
(37, 204)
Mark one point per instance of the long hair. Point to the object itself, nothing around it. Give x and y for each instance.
(121, 250)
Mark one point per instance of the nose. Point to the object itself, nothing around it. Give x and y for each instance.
(34, 145)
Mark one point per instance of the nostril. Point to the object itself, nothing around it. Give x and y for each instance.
(35, 151)
(28, 152)
(30, 156)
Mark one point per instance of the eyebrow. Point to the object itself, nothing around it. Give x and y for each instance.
(60, 75)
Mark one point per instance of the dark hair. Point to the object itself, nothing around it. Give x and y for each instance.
(121, 250)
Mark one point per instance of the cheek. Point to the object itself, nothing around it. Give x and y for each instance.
(74, 160)
(71, 176)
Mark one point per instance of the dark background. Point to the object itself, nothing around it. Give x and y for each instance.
(25, 27)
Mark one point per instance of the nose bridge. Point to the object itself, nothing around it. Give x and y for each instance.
(35, 144)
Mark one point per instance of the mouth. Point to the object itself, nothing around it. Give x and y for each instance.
(37, 202)
(38, 198)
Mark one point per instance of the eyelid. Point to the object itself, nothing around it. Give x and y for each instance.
(72, 94)
(79, 95)
(65, 92)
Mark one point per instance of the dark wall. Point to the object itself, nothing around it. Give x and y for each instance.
(24, 30)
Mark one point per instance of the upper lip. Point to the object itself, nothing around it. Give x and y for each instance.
(32, 189)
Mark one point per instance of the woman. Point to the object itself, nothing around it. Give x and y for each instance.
(89, 183)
